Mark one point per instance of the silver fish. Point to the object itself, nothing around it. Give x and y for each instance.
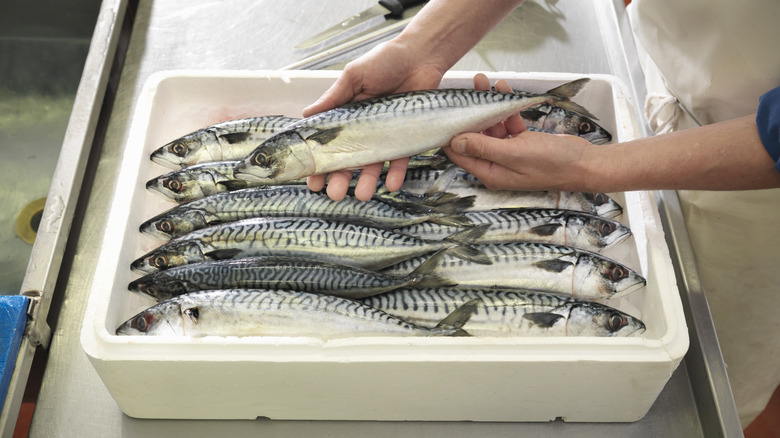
(536, 266)
(283, 273)
(278, 313)
(320, 239)
(230, 140)
(459, 183)
(386, 128)
(295, 201)
(562, 227)
(556, 120)
(510, 312)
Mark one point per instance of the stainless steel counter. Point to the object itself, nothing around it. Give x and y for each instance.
(586, 37)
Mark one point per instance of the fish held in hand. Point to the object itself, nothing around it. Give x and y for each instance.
(279, 313)
(386, 128)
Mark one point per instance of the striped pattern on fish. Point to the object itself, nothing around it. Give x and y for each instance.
(537, 266)
(320, 239)
(293, 201)
(509, 312)
(229, 140)
(388, 127)
(282, 273)
(278, 313)
(562, 227)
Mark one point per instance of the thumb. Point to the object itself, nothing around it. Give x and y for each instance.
(338, 94)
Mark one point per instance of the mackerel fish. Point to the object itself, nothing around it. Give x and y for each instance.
(295, 201)
(562, 227)
(510, 312)
(556, 120)
(319, 239)
(230, 140)
(456, 182)
(253, 312)
(536, 266)
(282, 273)
(389, 127)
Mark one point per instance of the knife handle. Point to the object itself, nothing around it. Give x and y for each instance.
(396, 7)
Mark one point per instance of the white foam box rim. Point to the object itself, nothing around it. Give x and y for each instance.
(377, 378)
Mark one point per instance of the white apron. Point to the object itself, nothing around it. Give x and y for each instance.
(708, 61)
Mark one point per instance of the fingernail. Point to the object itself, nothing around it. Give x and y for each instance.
(459, 145)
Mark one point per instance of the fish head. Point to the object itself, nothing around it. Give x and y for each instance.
(174, 253)
(599, 204)
(593, 319)
(178, 186)
(176, 222)
(187, 150)
(599, 277)
(584, 230)
(283, 157)
(561, 121)
(158, 285)
(163, 319)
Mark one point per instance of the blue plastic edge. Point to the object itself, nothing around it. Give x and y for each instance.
(13, 317)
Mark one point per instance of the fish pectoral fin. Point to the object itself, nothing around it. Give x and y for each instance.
(459, 317)
(193, 313)
(324, 136)
(554, 265)
(543, 319)
(235, 137)
(546, 230)
(222, 254)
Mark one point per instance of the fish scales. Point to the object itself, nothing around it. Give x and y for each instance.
(360, 133)
(321, 239)
(544, 267)
(510, 312)
(290, 201)
(257, 312)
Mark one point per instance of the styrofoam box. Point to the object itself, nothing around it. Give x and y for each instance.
(374, 378)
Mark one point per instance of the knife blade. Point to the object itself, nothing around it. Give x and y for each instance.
(373, 16)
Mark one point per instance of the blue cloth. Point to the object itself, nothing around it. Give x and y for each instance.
(768, 123)
(13, 317)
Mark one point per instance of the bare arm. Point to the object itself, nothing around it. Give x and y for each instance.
(723, 156)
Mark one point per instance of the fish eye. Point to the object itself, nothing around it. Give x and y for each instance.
(142, 322)
(160, 261)
(179, 149)
(616, 322)
(173, 185)
(585, 127)
(606, 228)
(617, 273)
(165, 226)
(261, 160)
(597, 198)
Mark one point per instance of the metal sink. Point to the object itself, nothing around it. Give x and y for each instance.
(43, 46)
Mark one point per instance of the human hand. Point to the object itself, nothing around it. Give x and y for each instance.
(389, 68)
(509, 157)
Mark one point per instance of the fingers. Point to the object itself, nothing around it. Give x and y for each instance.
(316, 182)
(366, 185)
(396, 174)
(338, 184)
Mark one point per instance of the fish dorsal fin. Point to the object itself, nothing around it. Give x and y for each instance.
(543, 319)
(554, 265)
(569, 89)
(324, 136)
(546, 229)
(235, 137)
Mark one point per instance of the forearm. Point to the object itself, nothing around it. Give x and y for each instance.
(444, 30)
(723, 156)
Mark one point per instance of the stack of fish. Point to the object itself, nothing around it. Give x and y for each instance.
(252, 251)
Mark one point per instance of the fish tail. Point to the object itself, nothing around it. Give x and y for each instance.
(454, 220)
(469, 254)
(468, 236)
(424, 276)
(569, 89)
(452, 324)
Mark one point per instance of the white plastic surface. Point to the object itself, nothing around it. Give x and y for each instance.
(479, 379)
